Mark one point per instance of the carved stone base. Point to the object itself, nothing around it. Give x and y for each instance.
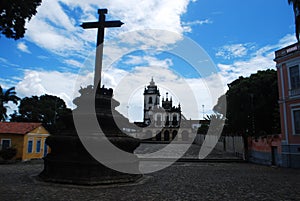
(70, 163)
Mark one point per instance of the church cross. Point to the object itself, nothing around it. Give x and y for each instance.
(100, 25)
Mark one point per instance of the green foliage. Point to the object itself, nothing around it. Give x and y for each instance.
(296, 7)
(8, 153)
(294, 2)
(13, 15)
(46, 109)
(211, 117)
(5, 97)
(252, 104)
(203, 129)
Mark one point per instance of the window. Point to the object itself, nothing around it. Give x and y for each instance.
(296, 122)
(45, 148)
(175, 121)
(38, 146)
(6, 143)
(174, 117)
(150, 100)
(158, 120)
(167, 121)
(29, 146)
(294, 77)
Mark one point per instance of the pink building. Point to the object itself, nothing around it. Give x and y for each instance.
(288, 68)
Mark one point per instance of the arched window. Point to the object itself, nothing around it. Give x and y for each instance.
(174, 121)
(150, 100)
(167, 120)
(158, 136)
(166, 135)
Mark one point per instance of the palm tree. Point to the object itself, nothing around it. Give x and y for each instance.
(5, 97)
(296, 7)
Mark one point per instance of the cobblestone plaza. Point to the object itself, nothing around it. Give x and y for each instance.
(181, 181)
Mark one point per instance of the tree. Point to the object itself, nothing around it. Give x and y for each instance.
(13, 15)
(203, 129)
(8, 153)
(252, 104)
(296, 8)
(5, 97)
(46, 109)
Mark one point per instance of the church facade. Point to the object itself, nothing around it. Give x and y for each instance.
(163, 121)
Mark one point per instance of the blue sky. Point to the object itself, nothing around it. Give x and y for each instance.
(240, 37)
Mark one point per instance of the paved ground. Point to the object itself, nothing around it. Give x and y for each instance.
(181, 181)
(178, 151)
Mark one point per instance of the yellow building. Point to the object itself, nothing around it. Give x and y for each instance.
(28, 138)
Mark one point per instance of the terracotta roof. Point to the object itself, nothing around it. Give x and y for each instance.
(17, 127)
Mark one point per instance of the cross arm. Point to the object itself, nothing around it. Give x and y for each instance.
(90, 25)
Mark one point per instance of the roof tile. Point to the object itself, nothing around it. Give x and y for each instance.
(17, 127)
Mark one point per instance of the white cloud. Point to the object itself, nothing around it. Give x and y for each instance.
(2, 60)
(59, 41)
(197, 22)
(53, 12)
(42, 57)
(63, 85)
(260, 59)
(148, 60)
(233, 51)
(58, 31)
(73, 62)
(187, 26)
(31, 84)
(5, 62)
(23, 47)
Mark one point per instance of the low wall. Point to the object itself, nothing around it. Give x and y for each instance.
(230, 144)
(265, 150)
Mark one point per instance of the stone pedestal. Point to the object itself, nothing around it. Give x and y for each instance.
(69, 161)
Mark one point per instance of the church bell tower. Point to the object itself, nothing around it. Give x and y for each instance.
(151, 100)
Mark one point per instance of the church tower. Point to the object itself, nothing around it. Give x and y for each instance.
(151, 100)
(167, 104)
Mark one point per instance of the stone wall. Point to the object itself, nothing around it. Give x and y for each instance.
(265, 150)
(230, 144)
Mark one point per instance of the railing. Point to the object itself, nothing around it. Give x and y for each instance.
(294, 92)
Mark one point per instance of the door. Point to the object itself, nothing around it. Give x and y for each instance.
(166, 136)
(158, 136)
(274, 155)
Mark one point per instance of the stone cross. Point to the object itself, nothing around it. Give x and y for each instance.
(101, 25)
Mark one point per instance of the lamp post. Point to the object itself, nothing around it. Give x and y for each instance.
(252, 114)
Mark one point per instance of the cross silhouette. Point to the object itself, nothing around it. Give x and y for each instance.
(101, 25)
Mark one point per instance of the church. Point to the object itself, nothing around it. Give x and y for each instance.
(162, 122)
